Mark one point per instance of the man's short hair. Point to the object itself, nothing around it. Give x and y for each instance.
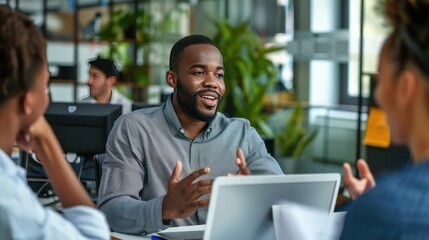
(105, 65)
(179, 46)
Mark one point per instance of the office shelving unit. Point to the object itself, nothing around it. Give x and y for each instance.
(70, 75)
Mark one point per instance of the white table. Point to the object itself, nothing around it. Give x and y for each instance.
(124, 236)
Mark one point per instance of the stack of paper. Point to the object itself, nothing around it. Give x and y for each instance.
(297, 222)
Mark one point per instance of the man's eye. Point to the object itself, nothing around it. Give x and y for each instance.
(219, 75)
(198, 73)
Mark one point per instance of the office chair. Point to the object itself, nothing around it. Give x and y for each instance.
(98, 169)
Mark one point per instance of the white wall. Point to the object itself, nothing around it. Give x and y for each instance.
(323, 73)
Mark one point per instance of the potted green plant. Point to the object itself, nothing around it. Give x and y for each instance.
(248, 77)
(127, 25)
(249, 72)
(291, 135)
(125, 31)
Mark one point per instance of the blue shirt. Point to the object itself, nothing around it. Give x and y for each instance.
(23, 217)
(397, 208)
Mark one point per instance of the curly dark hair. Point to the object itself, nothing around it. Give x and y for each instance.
(22, 53)
(410, 37)
(179, 47)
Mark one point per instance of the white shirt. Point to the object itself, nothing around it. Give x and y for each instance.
(23, 217)
(116, 98)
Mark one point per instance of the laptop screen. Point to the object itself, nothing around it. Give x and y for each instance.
(241, 207)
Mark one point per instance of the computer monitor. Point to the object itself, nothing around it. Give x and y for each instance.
(82, 128)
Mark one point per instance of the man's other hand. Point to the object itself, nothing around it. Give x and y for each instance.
(241, 163)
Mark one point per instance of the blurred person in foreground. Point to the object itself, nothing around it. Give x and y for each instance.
(398, 206)
(24, 96)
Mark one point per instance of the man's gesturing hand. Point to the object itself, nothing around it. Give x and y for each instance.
(241, 163)
(183, 196)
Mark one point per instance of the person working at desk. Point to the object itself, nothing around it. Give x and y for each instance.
(24, 97)
(160, 162)
(398, 206)
(102, 78)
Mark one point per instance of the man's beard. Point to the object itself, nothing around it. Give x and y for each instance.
(188, 103)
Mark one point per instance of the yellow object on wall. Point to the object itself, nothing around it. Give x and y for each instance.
(377, 132)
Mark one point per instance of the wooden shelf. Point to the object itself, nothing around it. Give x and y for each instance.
(129, 84)
(67, 81)
(119, 83)
(93, 42)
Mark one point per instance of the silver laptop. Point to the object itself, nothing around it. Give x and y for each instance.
(241, 207)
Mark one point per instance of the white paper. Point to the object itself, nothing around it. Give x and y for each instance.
(297, 222)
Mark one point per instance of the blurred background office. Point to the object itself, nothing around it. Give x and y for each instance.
(309, 95)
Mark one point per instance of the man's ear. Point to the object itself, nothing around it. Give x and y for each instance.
(111, 80)
(171, 78)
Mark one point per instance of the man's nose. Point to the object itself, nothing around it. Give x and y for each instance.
(210, 81)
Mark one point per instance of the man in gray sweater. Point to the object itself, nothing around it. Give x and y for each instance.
(161, 162)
